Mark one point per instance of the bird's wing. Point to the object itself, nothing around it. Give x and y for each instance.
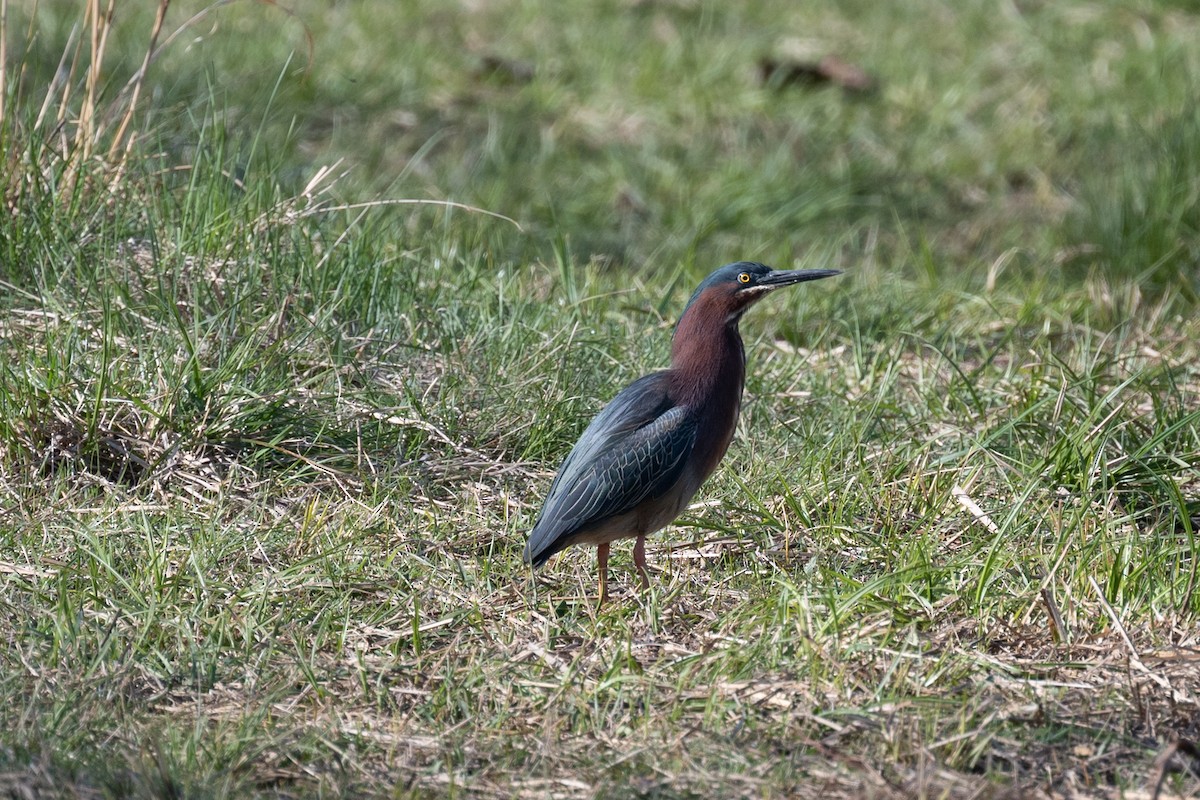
(634, 449)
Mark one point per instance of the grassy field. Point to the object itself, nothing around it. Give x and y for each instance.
(288, 360)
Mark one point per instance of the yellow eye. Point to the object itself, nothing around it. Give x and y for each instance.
(744, 277)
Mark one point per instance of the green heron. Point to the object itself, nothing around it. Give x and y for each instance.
(647, 452)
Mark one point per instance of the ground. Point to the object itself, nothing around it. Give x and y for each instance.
(289, 358)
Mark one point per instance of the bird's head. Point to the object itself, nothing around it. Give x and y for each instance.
(731, 289)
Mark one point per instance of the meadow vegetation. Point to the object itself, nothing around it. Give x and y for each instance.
(301, 307)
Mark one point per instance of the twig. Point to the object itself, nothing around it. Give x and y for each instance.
(1112, 615)
(137, 87)
(1056, 619)
(973, 509)
(1164, 759)
(24, 570)
(1135, 660)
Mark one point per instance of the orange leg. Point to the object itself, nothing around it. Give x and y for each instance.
(639, 560)
(602, 568)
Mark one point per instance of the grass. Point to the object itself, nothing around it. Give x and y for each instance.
(270, 442)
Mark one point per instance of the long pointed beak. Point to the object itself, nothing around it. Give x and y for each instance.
(786, 277)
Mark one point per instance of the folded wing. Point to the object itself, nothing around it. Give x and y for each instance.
(635, 449)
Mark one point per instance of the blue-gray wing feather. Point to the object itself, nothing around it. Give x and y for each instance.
(635, 449)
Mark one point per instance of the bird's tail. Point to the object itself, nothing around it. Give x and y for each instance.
(538, 551)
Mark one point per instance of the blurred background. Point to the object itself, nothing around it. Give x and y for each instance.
(1043, 139)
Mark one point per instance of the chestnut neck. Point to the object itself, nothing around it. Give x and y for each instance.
(708, 360)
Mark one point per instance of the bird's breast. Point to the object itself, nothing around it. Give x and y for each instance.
(717, 422)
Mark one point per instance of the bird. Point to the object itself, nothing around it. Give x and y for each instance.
(644, 456)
